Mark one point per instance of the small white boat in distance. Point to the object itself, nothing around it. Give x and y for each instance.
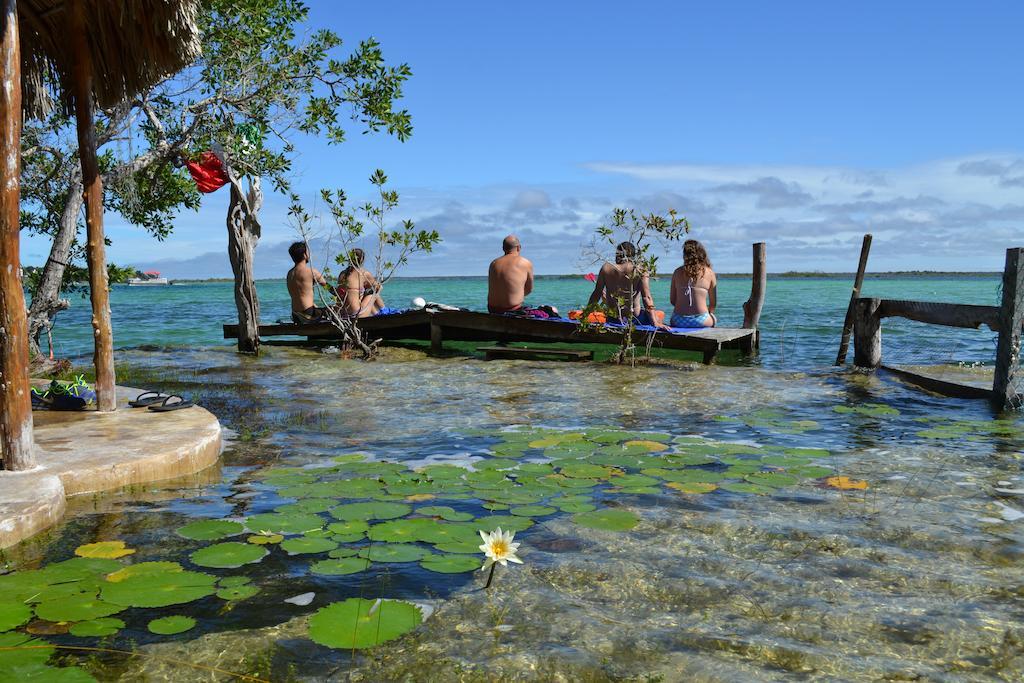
(149, 279)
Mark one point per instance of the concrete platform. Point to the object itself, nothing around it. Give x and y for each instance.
(86, 452)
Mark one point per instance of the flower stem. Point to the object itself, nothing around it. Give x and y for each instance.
(490, 576)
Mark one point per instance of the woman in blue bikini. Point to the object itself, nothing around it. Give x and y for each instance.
(694, 292)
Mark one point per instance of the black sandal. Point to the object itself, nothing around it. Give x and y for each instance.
(167, 405)
(148, 398)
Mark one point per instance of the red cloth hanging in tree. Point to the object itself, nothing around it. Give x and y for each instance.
(208, 172)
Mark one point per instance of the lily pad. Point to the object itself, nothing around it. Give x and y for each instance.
(340, 567)
(394, 552)
(305, 544)
(774, 479)
(399, 530)
(169, 626)
(144, 569)
(228, 555)
(237, 592)
(97, 628)
(285, 522)
(265, 539)
(692, 486)
(352, 527)
(110, 550)
(370, 510)
(612, 519)
(444, 512)
(13, 615)
(81, 607)
(359, 623)
(533, 511)
(210, 529)
(451, 564)
(159, 589)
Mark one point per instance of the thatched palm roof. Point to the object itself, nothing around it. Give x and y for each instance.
(135, 44)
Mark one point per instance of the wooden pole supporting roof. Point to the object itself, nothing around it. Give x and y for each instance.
(16, 444)
(95, 249)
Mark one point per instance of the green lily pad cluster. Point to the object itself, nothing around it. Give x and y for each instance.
(772, 420)
(86, 592)
(946, 429)
(868, 410)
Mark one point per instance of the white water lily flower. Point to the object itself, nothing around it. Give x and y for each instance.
(498, 547)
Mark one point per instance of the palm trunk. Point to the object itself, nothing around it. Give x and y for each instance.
(243, 234)
(46, 301)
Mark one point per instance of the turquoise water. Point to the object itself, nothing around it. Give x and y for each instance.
(801, 318)
(744, 554)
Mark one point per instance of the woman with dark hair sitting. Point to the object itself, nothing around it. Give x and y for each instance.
(358, 290)
(694, 292)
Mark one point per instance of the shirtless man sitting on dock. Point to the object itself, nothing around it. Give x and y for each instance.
(617, 283)
(509, 279)
(300, 281)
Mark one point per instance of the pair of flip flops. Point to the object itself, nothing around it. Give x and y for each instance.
(159, 402)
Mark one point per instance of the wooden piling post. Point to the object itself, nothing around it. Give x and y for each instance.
(82, 86)
(867, 333)
(844, 342)
(16, 442)
(1011, 319)
(436, 337)
(758, 285)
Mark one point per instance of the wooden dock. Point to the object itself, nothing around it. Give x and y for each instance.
(440, 326)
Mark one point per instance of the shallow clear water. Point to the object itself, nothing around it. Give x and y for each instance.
(915, 576)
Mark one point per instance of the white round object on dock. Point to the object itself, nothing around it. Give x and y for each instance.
(419, 302)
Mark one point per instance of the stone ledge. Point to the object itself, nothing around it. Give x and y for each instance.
(87, 452)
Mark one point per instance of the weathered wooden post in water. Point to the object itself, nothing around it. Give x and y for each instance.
(16, 442)
(867, 333)
(1009, 379)
(758, 285)
(858, 280)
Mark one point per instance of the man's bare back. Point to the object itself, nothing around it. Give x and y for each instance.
(300, 281)
(509, 279)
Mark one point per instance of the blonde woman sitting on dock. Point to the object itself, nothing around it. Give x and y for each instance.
(694, 292)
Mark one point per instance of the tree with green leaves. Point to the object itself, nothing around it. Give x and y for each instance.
(261, 83)
(367, 224)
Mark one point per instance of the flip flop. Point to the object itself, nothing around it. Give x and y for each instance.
(148, 398)
(167, 406)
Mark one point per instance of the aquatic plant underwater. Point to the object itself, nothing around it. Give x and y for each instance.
(380, 544)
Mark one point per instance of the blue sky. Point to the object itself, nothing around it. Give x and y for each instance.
(803, 124)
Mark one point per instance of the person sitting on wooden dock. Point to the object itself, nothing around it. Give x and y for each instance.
(300, 281)
(358, 290)
(694, 292)
(620, 282)
(510, 280)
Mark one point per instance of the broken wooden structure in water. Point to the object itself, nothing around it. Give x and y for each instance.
(1007, 320)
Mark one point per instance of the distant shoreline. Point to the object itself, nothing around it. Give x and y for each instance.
(788, 275)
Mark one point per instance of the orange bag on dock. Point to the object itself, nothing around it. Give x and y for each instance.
(595, 317)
